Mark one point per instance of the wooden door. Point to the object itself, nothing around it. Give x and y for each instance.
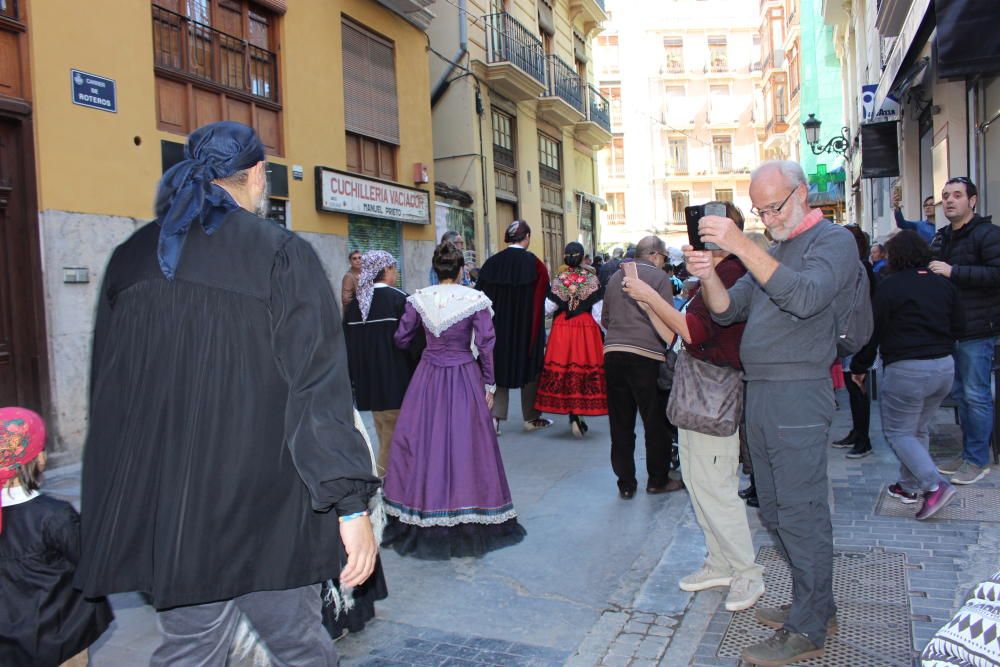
(19, 356)
(506, 214)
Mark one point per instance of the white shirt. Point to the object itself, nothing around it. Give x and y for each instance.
(15, 495)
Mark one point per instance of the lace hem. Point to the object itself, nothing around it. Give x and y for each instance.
(414, 518)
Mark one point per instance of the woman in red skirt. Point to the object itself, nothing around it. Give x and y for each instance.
(572, 381)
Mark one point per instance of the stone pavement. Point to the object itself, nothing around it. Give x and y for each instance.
(595, 581)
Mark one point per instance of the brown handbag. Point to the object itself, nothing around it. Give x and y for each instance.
(705, 398)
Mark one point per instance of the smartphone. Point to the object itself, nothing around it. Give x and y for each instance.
(693, 215)
(631, 270)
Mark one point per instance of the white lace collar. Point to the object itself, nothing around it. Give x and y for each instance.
(441, 306)
(15, 495)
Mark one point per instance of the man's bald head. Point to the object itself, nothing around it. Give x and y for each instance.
(652, 249)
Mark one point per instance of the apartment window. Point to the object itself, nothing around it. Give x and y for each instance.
(608, 45)
(718, 54)
(725, 194)
(722, 154)
(613, 94)
(678, 156)
(217, 60)
(780, 103)
(793, 71)
(674, 91)
(371, 107)
(549, 159)
(673, 48)
(503, 140)
(678, 200)
(616, 157)
(616, 208)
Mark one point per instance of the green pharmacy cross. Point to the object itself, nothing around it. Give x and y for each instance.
(822, 178)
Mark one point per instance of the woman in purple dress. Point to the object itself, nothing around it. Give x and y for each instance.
(446, 493)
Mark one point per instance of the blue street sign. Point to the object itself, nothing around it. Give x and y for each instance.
(96, 92)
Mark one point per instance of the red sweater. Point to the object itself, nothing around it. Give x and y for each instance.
(710, 341)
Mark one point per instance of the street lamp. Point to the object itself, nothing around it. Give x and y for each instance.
(839, 144)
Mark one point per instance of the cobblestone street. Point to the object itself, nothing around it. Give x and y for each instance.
(595, 581)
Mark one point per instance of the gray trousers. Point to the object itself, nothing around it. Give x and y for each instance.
(501, 401)
(912, 392)
(289, 623)
(788, 425)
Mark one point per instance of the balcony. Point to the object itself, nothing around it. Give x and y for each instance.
(515, 61)
(615, 217)
(414, 12)
(562, 102)
(590, 12)
(595, 129)
(198, 51)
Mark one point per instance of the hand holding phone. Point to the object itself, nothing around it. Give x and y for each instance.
(693, 215)
(631, 270)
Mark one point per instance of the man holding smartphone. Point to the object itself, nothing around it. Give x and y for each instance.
(633, 353)
(788, 299)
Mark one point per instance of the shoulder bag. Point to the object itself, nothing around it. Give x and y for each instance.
(705, 398)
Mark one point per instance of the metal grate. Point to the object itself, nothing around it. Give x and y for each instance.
(873, 610)
(970, 504)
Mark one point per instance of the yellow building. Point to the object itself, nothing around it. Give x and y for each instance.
(516, 121)
(98, 96)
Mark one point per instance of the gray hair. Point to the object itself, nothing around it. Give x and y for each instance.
(449, 235)
(617, 252)
(650, 245)
(791, 172)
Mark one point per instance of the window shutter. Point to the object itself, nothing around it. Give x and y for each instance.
(546, 22)
(276, 6)
(371, 106)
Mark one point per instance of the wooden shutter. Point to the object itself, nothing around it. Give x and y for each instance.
(276, 6)
(371, 107)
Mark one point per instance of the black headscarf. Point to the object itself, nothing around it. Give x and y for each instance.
(213, 151)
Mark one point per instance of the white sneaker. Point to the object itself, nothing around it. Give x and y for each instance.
(743, 593)
(704, 579)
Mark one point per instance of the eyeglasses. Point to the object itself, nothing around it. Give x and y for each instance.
(773, 210)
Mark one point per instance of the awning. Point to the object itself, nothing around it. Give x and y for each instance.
(967, 42)
(593, 199)
(917, 28)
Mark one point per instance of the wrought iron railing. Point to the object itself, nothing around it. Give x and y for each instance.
(615, 218)
(183, 45)
(509, 41)
(598, 109)
(564, 82)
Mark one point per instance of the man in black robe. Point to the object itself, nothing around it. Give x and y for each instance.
(516, 282)
(380, 371)
(222, 467)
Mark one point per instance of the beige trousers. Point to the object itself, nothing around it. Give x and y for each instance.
(78, 660)
(501, 400)
(385, 425)
(710, 466)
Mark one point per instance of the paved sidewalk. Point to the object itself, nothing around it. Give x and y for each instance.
(595, 581)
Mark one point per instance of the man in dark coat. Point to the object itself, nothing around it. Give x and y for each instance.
(967, 252)
(222, 467)
(609, 268)
(516, 282)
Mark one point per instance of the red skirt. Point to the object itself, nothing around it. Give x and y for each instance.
(572, 379)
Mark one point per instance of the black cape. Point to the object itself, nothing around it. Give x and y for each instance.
(221, 421)
(516, 282)
(43, 620)
(380, 371)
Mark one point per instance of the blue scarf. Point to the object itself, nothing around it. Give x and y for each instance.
(186, 192)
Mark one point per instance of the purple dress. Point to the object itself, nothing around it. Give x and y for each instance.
(445, 490)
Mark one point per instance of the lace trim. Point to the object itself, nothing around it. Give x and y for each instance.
(414, 518)
(439, 322)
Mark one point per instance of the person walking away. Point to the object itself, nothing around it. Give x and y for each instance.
(446, 490)
(967, 252)
(515, 281)
(572, 381)
(858, 439)
(711, 463)
(349, 283)
(633, 352)
(222, 472)
(917, 318)
(926, 228)
(380, 371)
(792, 300)
(44, 621)
(610, 267)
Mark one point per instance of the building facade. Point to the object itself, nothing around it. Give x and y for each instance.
(96, 100)
(516, 121)
(920, 85)
(683, 79)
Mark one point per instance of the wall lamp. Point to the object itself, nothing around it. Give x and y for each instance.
(839, 144)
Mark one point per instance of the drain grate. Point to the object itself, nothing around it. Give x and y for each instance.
(971, 503)
(873, 610)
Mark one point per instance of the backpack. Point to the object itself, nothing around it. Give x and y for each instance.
(853, 314)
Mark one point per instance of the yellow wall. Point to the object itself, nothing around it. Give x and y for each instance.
(88, 162)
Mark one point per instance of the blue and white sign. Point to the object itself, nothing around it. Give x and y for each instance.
(96, 92)
(869, 114)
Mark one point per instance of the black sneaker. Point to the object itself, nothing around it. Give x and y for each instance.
(845, 442)
(860, 450)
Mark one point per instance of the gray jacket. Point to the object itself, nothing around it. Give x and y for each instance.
(791, 331)
(628, 326)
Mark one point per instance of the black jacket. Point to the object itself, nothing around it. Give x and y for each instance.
(917, 316)
(974, 254)
(222, 445)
